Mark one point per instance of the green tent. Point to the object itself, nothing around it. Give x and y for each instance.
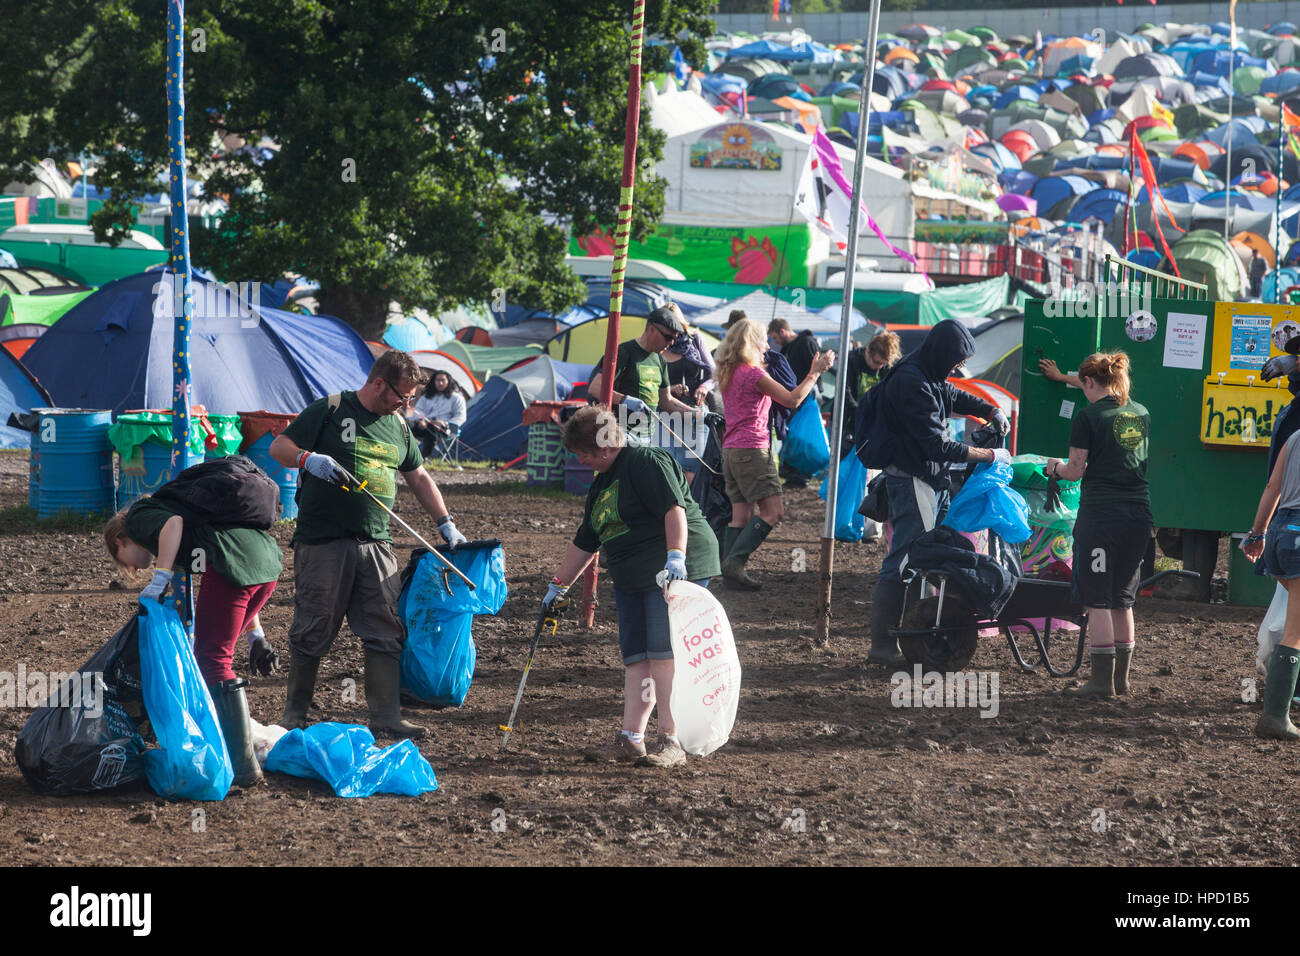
(1204, 256)
(1246, 80)
(962, 37)
(968, 59)
(985, 34)
(37, 309)
(486, 360)
(1014, 63)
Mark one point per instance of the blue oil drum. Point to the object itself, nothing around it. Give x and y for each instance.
(34, 474)
(286, 478)
(76, 462)
(149, 471)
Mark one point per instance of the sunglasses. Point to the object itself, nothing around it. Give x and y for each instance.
(404, 400)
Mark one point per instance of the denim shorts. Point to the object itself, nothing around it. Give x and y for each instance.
(1281, 557)
(643, 632)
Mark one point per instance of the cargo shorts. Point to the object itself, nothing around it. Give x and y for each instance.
(359, 579)
(750, 473)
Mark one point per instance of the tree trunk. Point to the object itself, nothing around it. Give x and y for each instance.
(365, 311)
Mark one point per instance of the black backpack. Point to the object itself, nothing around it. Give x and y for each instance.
(873, 438)
(229, 492)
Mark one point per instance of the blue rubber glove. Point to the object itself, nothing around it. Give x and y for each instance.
(447, 528)
(633, 404)
(674, 569)
(325, 468)
(1001, 422)
(154, 590)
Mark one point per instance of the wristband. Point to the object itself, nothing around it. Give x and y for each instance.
(1255, 536)
(558, 583)
(444, 520)
(302, 459)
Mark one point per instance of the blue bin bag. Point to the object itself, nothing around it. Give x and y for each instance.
(849, 492)
(191, 761)
(345, 757)
(806, 447)
(986, 501)
(439, 656)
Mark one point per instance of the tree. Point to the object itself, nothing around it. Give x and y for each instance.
(430, 152)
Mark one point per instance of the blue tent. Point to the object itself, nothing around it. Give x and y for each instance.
(1050, 190)
(1015, 93)
(494, 429)
(411, 335)
(1100, 204)
(997, 154)
(1286, 27)
(724, 83)
(782, 53)
(114, 350)
(1145, 257)
(1281, 83)
(19, 394)
(1219, 62)
(1018, 181)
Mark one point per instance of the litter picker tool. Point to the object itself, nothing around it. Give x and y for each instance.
(361, 486)
(665, 426)
(542, 620)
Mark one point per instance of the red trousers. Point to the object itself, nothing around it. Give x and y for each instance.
(221, 613)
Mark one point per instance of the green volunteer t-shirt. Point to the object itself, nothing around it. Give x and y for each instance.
(372, 447)
(1116, 437)
(243, 556)
(624, 519)
(640, 373)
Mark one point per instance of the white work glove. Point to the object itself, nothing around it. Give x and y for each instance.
(633, 404)
(450, 534)
(323, 467)
(1001, 456)
(674, 569)
(1000, 421)
(557, 597)
(154, 590)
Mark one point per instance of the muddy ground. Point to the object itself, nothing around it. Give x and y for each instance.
(821, 769)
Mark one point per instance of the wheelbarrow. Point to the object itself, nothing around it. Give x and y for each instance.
(940, 631)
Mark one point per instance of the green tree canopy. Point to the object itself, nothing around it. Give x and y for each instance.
(425, 151)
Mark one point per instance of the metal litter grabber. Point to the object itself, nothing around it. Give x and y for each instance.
(542, 620)
(447, 565)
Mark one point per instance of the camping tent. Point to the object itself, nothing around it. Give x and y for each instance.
(761, 307)
(1203, 256)
(114, 350)
(485, 361)
(434, 362)
(19, 393)
(494, 429)
(584, 343)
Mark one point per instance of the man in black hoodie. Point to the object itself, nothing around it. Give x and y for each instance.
(919, 401)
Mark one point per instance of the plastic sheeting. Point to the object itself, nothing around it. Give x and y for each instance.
(345, 757)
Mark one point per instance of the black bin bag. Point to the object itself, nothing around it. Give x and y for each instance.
(94, 741)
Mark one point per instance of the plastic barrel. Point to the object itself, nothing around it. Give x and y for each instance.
(76, 460)
(545, 455)
(286, 478)
(227, 434)
(577, 477)
(34, 474)
(135, 482)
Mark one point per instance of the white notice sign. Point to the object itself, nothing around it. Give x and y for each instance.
(1184, 340)
(1067, 409)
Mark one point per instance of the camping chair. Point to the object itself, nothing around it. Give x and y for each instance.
(445, 448)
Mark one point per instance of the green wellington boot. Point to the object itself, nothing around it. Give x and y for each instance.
(729, 536)
(1275, 722)
(383, 677)
(232, 714)
(747, 542)
(1123, 658)
(301, 683)
(886, 608)
(1102, 682)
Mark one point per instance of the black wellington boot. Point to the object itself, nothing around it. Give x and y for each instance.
(886, 609)
(747, 542)
(383, 676)
(232, 713)
(301, 684)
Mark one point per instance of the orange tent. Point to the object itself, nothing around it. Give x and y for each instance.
(901, 53)
(1112, 149)
(473, 335)
(1202, 152)
(1020, 143)
(1244, 242)
(809, 115)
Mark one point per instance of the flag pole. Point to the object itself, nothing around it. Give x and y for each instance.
(826, 567)
(618, 271)
(180, 291)
(1282, 132)
(1232, 66)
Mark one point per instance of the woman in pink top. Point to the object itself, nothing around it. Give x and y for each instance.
(747, 463)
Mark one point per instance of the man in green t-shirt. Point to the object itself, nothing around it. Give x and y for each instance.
(344, 562)
(641, 374)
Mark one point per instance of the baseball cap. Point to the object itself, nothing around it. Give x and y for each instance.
(666, 318)
(736, 316)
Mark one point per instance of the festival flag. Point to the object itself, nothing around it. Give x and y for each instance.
(825, 198)
(1161, 113)
(1138, 156)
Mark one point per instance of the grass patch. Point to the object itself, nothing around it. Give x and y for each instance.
(517, 488)
(465, 465)
(23, 520)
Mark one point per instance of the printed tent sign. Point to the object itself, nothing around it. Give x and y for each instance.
(736, 146)
(776, 255)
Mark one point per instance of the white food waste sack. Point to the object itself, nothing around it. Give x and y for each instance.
(1271, 630)
(706, 672)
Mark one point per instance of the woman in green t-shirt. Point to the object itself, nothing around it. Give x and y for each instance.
(1108, 450)
(640, 515)
(240, 567)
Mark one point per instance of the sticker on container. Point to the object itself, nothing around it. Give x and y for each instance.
(1184, 340)
(1067, 409)
(1251, 339)
(1141, 326)
(1283, 332)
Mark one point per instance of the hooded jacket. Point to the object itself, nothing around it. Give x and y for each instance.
(921, 401)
